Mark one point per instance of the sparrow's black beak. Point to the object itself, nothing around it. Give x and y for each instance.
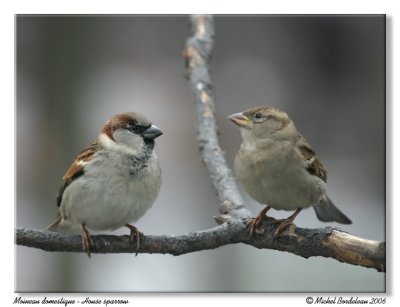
(152, 132)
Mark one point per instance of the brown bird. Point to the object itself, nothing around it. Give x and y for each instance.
(113, 182)
(277, 167)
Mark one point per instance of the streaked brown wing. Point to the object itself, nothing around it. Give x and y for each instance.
(77, 168)
(314, 165)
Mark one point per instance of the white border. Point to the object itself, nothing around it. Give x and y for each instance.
(10, 8)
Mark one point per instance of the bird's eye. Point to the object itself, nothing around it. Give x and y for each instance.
(137, 129)
(258, 115)
(132, 127)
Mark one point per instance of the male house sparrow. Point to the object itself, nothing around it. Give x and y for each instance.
(113, 182)
(277, 167)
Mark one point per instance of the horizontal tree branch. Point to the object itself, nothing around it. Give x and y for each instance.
(326, 242)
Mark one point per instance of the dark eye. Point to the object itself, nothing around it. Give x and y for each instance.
(136, 128)
(258, 115)
(132, 127)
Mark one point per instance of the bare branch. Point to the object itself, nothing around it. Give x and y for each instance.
(197, 55)
(326, 242)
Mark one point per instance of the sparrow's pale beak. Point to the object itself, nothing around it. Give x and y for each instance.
(152, 132)
(239, 119)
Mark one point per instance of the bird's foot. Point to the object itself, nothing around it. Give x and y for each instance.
(281, 226)
(283, 223)
(253, 226)
(87, 241)
(135, 235)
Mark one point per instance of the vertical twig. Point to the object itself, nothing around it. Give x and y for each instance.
(197, 55)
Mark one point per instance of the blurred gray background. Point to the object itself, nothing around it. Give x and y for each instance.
(73, 73)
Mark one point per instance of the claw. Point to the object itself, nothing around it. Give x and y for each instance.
(254, 227)
(135, 234)
(87, 241)
(253, 224)
(283, 223)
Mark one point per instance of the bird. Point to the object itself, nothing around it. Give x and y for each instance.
(111, 183)
(277, 167)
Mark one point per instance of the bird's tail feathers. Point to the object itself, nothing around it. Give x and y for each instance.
(54, 226)
(327, 212)
(61, 225)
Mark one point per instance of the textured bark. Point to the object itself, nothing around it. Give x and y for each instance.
(326, 242)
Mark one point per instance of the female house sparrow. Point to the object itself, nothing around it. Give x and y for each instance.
(276, 166)
(113, 182)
